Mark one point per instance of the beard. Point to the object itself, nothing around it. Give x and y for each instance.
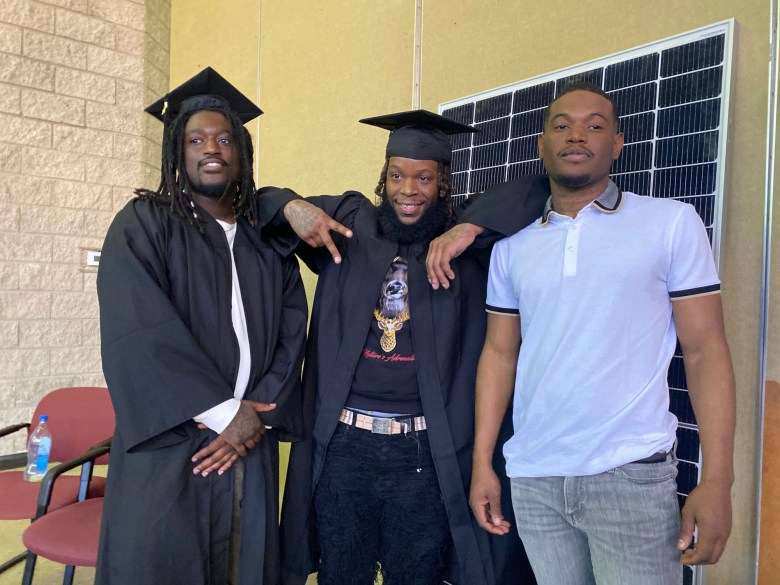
(572, 181)
(212, 190)
(430, 225)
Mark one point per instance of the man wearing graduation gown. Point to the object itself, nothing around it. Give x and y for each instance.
(389, 354)
(202, 329)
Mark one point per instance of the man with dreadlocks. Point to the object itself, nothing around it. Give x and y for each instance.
(202, 331)
(389, 370)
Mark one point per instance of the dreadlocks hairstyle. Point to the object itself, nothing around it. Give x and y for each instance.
(445, 186)
(444, 182)
(380, 188)
(175, 188)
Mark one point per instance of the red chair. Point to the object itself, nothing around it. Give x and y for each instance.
(79, 418)
(70, 534)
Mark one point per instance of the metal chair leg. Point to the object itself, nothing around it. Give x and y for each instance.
(12, 562)
(29, 568)
(68, 578)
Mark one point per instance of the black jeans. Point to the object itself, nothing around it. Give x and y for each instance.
(378, 502)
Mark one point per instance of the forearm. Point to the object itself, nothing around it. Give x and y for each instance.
(711, 388)
(495, 385)
(270, 202)
(708, 506)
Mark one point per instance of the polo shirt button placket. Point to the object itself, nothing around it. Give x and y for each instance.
(572, 243)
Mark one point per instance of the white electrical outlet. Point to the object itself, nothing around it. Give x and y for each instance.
(92, 259)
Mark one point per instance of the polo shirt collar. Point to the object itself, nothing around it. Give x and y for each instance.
(608, 202)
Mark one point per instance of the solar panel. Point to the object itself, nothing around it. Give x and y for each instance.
(673, 99)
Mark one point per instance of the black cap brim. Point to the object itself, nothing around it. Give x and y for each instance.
(206, 83)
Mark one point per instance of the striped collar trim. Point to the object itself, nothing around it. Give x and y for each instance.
(609, 201)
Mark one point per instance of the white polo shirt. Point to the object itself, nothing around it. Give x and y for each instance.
(594, 295)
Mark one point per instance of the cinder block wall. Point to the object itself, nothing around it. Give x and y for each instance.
(74, 78)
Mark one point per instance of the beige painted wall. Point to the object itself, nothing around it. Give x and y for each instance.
(323, 65)
(773, 361)
(314, 68)
(221, 35)
(769, 556)
(317, 68)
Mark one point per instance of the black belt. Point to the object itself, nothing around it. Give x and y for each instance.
(658, 457)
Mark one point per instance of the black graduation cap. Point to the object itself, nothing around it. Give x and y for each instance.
(200, 92)
(419, 134)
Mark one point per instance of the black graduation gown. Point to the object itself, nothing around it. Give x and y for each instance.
(169, 353)
(448, 333)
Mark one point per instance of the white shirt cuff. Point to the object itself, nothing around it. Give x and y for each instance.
(218, 417)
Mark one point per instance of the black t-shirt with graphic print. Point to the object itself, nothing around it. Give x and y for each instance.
(386, 377)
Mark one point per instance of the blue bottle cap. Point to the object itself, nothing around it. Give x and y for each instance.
(44, 417)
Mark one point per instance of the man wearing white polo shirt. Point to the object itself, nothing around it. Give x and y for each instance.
(599, 289)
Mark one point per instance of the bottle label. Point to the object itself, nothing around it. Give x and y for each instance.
(42, 461)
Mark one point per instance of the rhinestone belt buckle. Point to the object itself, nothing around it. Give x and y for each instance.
(381, 426)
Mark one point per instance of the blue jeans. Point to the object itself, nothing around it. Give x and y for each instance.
(378, 503)
(619, 527)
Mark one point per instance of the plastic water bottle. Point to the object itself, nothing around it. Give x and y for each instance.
(38, 449)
